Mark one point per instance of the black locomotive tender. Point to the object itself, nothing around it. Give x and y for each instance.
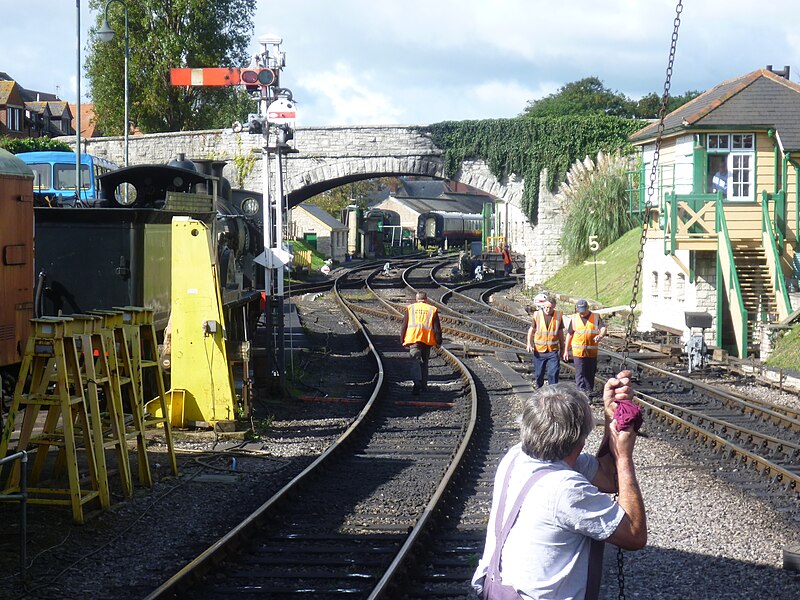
(118, 251)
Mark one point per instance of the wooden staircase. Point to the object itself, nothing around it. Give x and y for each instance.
(758, 295)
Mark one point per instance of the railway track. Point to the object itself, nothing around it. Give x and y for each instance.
(395, 489)
(754, 434)
(348, 522)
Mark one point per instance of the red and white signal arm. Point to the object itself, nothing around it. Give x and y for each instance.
(282, 111)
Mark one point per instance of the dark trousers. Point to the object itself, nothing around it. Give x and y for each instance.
(420, 354)
(546, 362)
(585, 370)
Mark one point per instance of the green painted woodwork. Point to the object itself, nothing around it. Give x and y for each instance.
(699, 169)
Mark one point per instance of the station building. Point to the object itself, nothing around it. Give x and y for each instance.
(319, 230)
(725, 212)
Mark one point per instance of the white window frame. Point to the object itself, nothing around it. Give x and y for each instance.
(14, 118)
(740, 156)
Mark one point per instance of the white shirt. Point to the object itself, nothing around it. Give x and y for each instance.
(546, 554)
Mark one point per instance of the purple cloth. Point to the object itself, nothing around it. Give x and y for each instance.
(628, 415)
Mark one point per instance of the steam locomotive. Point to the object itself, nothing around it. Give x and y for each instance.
(118, 252)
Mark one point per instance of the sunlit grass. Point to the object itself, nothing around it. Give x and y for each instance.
(615, 272)
(787, 351)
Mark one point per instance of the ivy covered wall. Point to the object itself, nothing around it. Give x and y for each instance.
(524, 146)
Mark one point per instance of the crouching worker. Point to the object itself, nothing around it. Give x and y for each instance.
(421, 331)
(551, 514)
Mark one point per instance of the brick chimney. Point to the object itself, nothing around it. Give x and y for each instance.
(781, 72)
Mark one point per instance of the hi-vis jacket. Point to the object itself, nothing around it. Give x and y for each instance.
(545, 338)
(583, 344)
(506, 257)
(423, 325)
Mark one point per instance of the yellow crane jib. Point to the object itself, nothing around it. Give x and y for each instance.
(201, 382)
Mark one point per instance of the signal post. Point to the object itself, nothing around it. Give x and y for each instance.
(275, 121)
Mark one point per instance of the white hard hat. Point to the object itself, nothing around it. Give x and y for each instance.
(540, 299)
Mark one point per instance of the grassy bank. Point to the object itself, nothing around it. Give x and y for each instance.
(787, 351)
(615, 270)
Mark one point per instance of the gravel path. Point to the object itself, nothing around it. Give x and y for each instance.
(715, 531)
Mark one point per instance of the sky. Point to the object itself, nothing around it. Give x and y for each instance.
(416, 62)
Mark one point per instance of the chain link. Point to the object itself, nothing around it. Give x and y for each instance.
(662, 111)
(637, 278)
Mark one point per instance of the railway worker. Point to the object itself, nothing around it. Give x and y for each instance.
(554, 547)
(507, 263)
(719, 182)
(584, 333)
(546, 341)
(421, 330)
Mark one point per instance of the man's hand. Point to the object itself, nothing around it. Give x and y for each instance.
(621, 442)
(616, 388)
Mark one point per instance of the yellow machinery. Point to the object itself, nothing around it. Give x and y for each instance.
(202, 386)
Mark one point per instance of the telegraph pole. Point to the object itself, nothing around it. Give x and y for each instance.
(275, 121)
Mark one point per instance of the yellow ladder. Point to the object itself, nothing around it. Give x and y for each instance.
(141, 333)
(50, 377)
(124, 378)
(100, 374)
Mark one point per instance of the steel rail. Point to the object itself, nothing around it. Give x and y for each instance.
(230, 542)
(663, 410)
(447, 314)
(399, 565)
(769, 413)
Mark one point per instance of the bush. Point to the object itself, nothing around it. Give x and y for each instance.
(17, 145)
(596, 202)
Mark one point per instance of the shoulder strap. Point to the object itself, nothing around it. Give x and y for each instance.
(501, 533)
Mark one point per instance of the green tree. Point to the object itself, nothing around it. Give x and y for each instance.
(589, 96)
(648, 106)
(585, 97)
(358, 192)
(165, 35)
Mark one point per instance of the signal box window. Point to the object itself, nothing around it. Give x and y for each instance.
(730, 165)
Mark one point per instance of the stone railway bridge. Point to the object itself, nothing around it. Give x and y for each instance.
(329, 157)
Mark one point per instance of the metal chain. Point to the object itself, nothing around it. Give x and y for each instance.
(631, 320)
(662, 111)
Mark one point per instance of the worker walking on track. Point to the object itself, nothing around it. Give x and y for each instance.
(421, 330)
(507, 262)
(584, 333)
(546, 341)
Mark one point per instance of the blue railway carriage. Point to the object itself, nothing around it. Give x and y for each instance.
(436, 227)
(54, 177)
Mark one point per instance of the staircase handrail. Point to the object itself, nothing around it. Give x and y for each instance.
(732, 289)
(773, 260)
(670, 222)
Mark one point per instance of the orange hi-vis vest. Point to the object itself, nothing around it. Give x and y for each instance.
(420, 324)
(583, 344)
(545, 338)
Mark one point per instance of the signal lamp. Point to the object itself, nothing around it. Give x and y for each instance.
(258, 77)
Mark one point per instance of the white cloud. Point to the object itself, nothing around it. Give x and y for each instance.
(344, 98)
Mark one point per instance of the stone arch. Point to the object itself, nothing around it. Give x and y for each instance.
(330, 174)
